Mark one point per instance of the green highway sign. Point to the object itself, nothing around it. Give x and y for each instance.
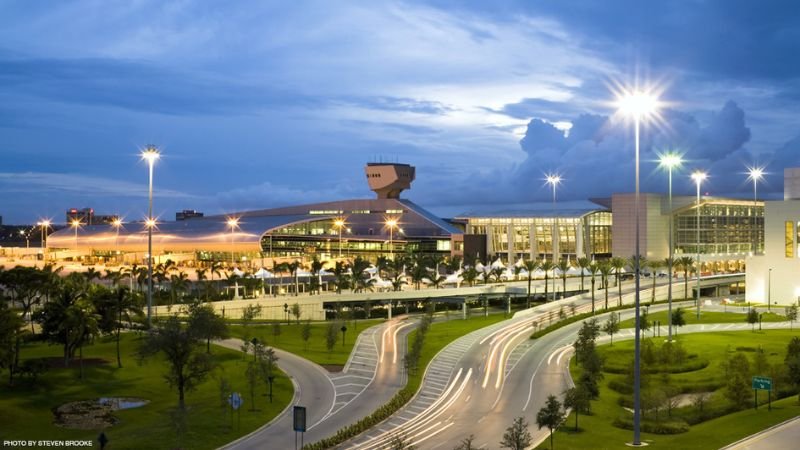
(763, 383)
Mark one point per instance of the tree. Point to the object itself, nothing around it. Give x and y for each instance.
(677, 319)
(619, 266)
(654, 265)
(611, 326)
(583, 265)
(188, 364)
(25, 286)
(125, 306)
(752, 318)
(11, 329)
(276, 330)
(760, 363)
(316, 270)
(52, 317)
(791, 315)
(577, 398)
(685, 263)
(466, 443)
(296, 312)
(331, 336)
(593, 271)
(251, 375)
(178, 285)
(517, 436)
(530, 267)
(470, 275)
(551, 416)
(563, 266)
(205, 323)
(249, 313)
(605, 270)
(547, 267)
(306, 333)
(792, 362)
(644, 321)
(79, 326)
(737, 383)
(341, 279)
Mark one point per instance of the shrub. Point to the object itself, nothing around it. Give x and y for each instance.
(648, 426)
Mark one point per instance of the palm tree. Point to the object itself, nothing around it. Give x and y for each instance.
(686, 263)
(91, 274)
(654, 266)
(563, 266)
(340, 276)
(79, 326)
(583, 264)
(293, 267)
(114, 276)
(530, 265)
(495, 273)
(178, 285)
(593, 271)
(358, 282)
(547, 267)
(618, 264)
(470, 275)
(418, 273)
(437, 280)
(605, 269)
(454, 263)
(126, 305)
(397, 268)
(383, 263)
(436, 261)
(316, 269)
(201, 279)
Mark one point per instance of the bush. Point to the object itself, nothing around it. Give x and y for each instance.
(578, 318)
(671, 426)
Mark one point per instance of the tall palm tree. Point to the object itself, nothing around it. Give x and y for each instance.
(340, 276)
(495, 274)
(79, 326)
(316, 269)
(530, 266)
(593, 271)
(201, 279)
(563, 266)
(547, 267)
(382, 263)
(470, 275)
(178, 284)
(605, 269)
(91, 274)
(454, 263)
(397, 268)
(114, 276)
(126, 305)
(418, 273)
(583, 264)
(654, 265)
(618, 264)
(435, 261)
(686, 263)
(358, 269)
(293, 267)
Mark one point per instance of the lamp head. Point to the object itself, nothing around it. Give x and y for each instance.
(698, 176)
(338, 223)
(75, 223)
(391, 223)
(553, 179)
(637, 103)
(150, 223)
(670, 160)
(755, 173)
(117, 222)
(151, 154)
(233, 222)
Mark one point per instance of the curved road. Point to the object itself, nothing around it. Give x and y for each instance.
(373, 374)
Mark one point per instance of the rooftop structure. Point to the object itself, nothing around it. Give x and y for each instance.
(388, 180)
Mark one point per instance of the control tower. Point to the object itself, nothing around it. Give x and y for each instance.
(388, 180)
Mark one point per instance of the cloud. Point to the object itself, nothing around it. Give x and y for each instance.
(61, 183)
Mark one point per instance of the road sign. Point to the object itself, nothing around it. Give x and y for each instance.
(235, 400)
(763, 383)
(300, 419)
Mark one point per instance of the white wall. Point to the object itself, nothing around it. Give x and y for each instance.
(783, 285)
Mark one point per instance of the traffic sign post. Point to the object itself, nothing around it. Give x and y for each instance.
(235, 400)
(299, 424)
(765, 384)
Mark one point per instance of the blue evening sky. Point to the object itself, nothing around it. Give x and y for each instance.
(266, 103)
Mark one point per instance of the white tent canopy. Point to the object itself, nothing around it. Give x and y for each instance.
(263, 273)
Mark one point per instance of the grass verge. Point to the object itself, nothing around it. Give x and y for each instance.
(706, 317)
(25, 408)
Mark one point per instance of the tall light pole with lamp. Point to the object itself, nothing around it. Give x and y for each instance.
(117, 224)
(670, 161)
(233, 224)
(554, 180)
(391, 223)
(76, 224)
(44, 225)
(638, 105)
(755, 174)
(151, 155)
(698, 177)
(339, 224)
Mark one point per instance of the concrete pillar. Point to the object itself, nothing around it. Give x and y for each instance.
(556, 234)
(489, 243)
(579, 230)
(464, 309)
(534, 244)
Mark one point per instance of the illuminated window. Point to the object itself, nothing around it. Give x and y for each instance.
(789, 233)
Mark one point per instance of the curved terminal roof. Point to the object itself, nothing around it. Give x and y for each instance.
(364, 219)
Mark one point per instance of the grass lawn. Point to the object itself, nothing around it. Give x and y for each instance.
(25, 409)
(690, 317)
(705, 353)
(291, 340)
(442, 333)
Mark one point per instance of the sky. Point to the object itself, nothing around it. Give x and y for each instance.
(267, 103)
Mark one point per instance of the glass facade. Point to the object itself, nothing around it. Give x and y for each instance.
(527, 236)
(725, 228)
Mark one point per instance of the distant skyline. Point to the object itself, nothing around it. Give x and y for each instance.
(263, 104)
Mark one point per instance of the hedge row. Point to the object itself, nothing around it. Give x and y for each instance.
(654, 427)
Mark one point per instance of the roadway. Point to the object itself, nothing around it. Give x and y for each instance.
(372, 375)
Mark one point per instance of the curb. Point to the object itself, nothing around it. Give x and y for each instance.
(747, 438)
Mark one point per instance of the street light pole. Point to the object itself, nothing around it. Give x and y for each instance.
(150, 154)
(670, 161)
(391, 223)
(755, 174)
(698, 178)
(339, 223)
(233, 223)
(769, 289)
(554, 180)
(639, 105)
